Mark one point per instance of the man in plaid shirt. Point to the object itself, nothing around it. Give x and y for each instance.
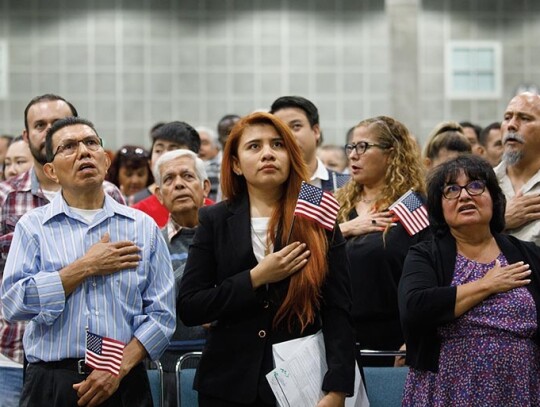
(19, 195)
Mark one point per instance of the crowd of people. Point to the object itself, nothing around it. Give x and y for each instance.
(195, 240)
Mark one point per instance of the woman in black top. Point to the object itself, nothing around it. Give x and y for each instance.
(384, 164)
(470, 298)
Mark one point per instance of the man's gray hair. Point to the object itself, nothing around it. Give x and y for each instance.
(211, 133)
(200, 170)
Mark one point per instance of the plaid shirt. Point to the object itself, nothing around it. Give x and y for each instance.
(172, 229)
(18, 196)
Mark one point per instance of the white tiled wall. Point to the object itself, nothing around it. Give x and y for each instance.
(127, 64)
(515, 24)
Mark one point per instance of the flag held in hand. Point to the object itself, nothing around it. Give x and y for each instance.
(411, 211)
(103, 353)
(315, 204)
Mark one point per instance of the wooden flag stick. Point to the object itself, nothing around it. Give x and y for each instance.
(290, 230)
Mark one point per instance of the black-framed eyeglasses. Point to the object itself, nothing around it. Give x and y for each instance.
(70, 147)
(473, 188)
(361, 147)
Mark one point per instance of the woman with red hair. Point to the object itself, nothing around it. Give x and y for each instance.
(252, 286)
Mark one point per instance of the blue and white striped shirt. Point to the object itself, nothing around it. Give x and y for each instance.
(134, 302)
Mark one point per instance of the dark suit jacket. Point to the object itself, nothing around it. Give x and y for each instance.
(426, 299)
(336, 180)
(216, 287)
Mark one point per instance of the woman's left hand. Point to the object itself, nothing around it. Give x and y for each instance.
(332, 399)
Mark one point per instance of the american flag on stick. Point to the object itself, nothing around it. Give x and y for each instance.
(315, 204)
(411, 211)
(103, 353)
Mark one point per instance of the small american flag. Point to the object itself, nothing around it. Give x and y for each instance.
(103, 353)
(411, 212)
(315, 204)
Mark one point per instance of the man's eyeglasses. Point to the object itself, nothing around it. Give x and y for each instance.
(70, 147)
(473, 188)
(361, 147)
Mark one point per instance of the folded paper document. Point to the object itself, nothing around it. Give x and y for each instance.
(300, 368)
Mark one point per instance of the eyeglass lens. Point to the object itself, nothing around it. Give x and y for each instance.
(359, 147)
(473, 188)
(91, 143)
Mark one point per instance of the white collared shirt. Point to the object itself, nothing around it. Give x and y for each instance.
(321, 173)
(531, 230)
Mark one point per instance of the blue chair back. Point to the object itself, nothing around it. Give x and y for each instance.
(185, 373)
(187, 345)
(384, 385)
(155, 376)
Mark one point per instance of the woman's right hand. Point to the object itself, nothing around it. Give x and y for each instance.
(501, 279)
(366, 223)
(497, 280)
(279, 265)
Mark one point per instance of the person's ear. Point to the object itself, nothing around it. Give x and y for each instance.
(107, 161)
(428, 163)
(157, 192)
(236, 166)
(50, 172)
(206, 188)
(389, 156)
(480, 150)
(25, 136)
(317, 130)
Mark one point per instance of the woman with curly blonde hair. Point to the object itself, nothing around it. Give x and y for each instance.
(384, 164)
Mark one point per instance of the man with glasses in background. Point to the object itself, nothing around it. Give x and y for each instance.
(18, 196)
(85, 263)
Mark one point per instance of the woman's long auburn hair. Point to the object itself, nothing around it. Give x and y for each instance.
(303, 296)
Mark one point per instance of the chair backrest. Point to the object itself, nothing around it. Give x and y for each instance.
(185, 373)
(187, 345)
(155, 376)
(384, 385)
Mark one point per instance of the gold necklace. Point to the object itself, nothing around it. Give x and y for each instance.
(368, 201)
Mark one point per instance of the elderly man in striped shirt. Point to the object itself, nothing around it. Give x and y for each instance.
(86, 263)
(19, 195)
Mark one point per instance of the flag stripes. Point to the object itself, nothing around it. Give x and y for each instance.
(315, 204)
(104, 353)
(411, 211)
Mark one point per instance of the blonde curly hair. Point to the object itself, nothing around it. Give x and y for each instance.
(404, 171)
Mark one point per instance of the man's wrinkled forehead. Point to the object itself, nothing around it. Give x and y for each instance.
(73, 132)
(47, 108)
(179, 165)
(524, 102)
